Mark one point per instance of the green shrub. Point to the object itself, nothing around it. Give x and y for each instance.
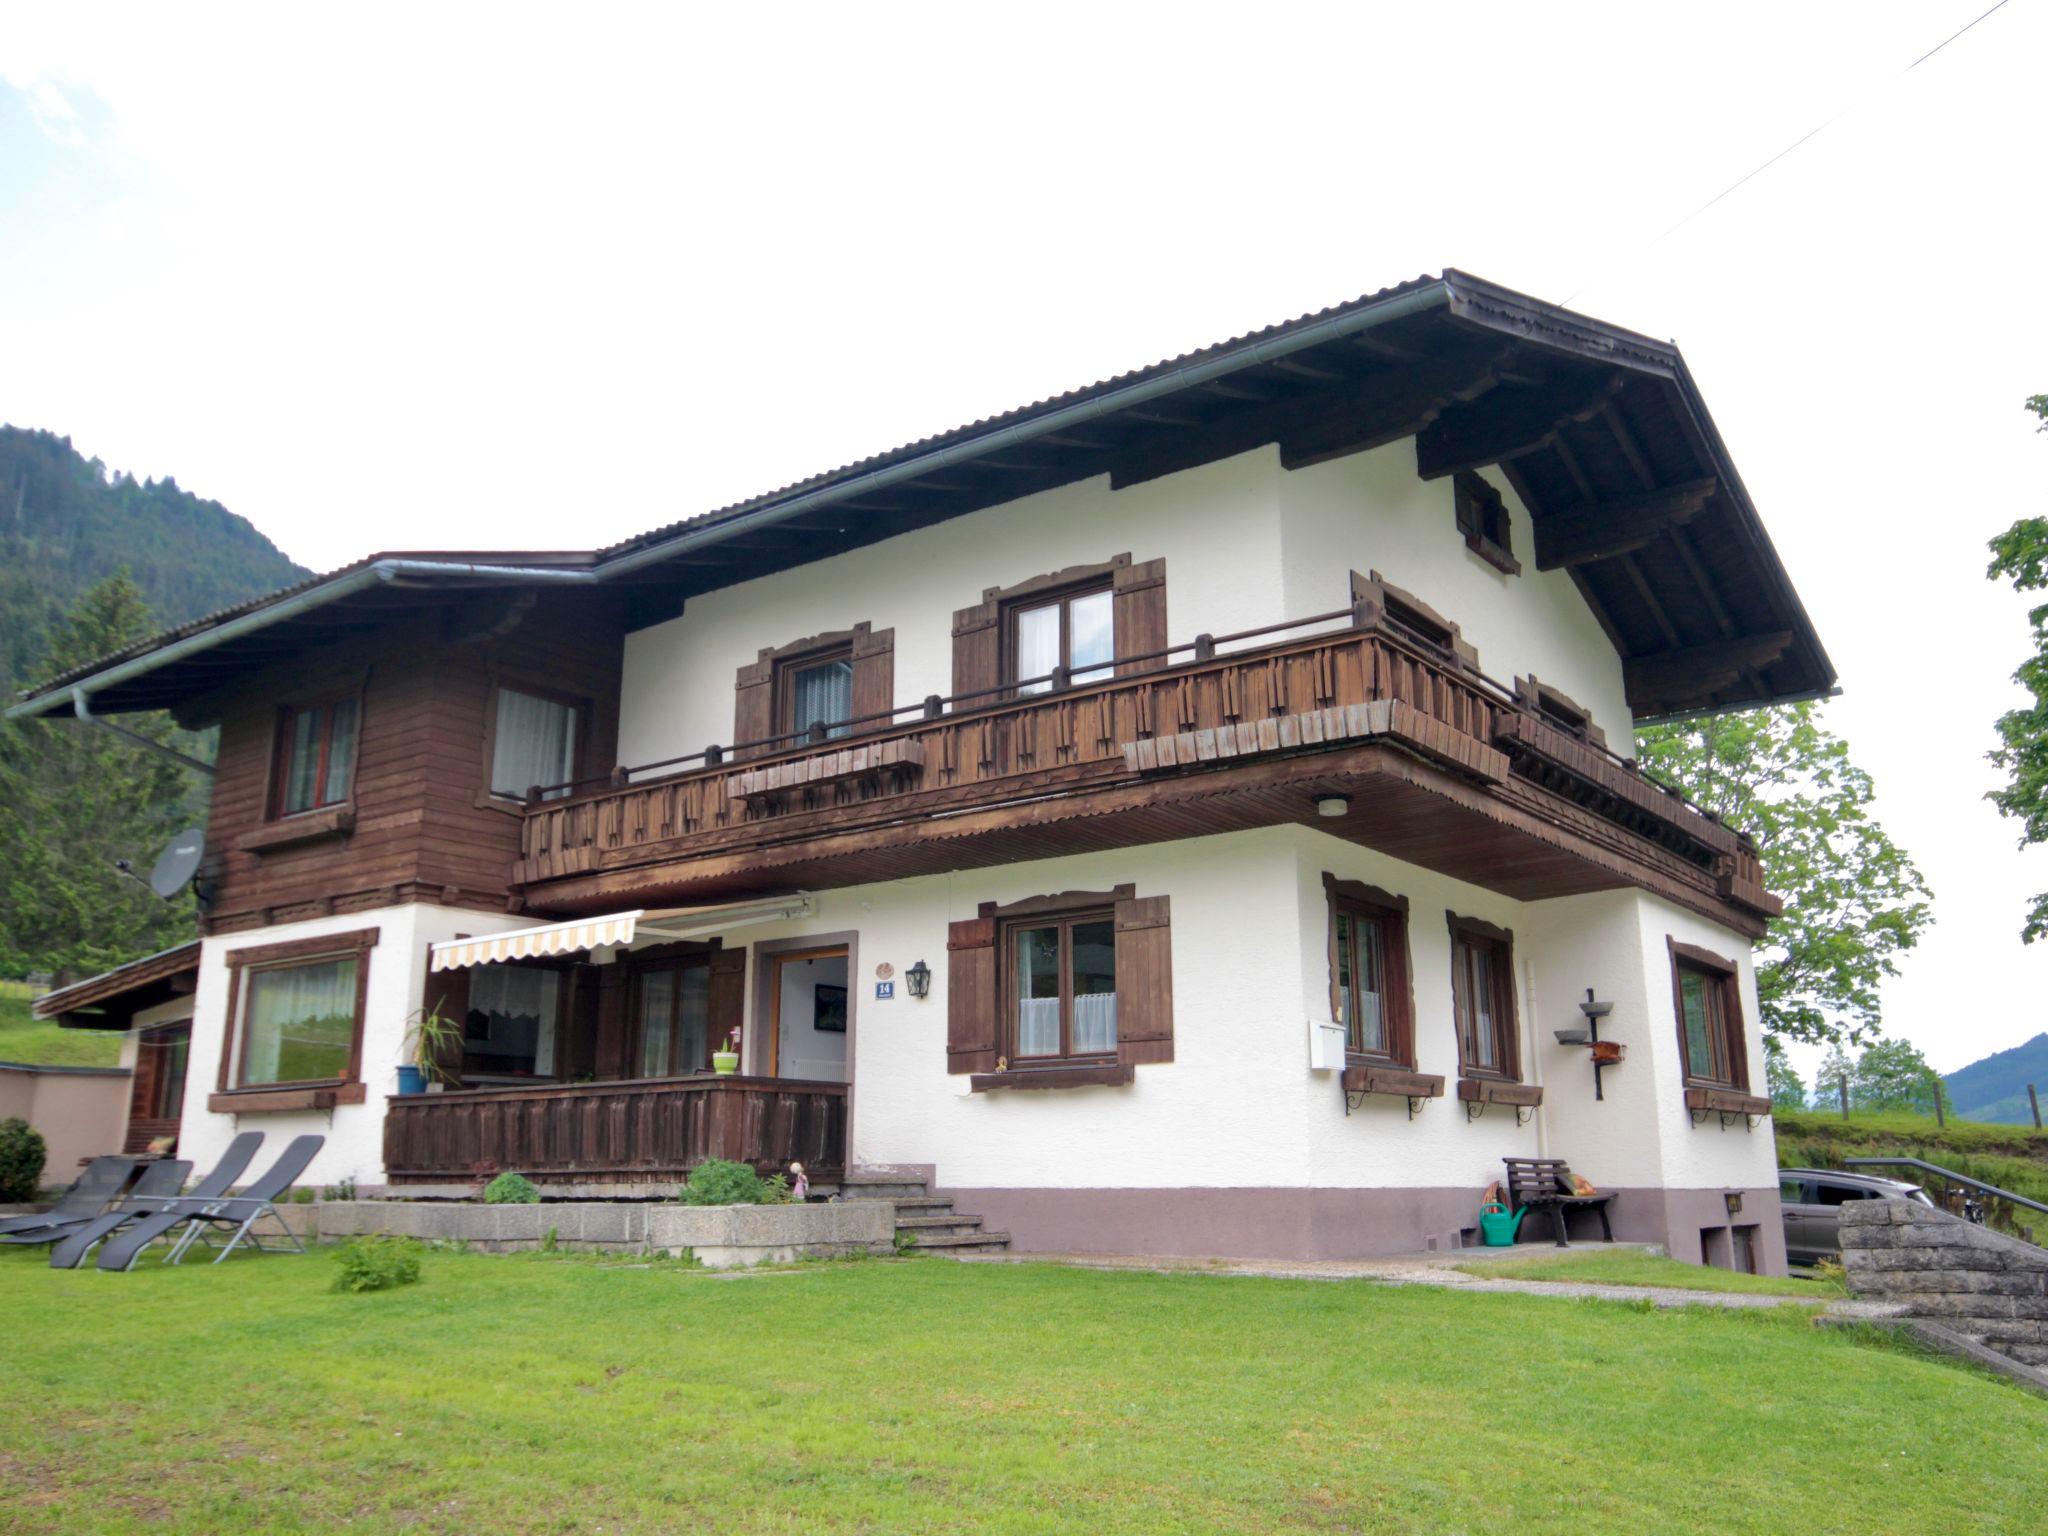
(718, 1182)
(377, 1263)
(21, 1160)
(511, 1189)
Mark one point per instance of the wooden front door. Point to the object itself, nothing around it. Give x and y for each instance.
(158, 1098)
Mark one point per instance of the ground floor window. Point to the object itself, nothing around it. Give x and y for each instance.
(1708, 1000)
(299, 1021)
(1483, 998)
(509, 1028)
(1062, 975)
(673, 1019)
(1369, 990)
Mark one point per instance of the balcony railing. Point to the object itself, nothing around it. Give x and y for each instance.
(650, 1130)
(1212, 699)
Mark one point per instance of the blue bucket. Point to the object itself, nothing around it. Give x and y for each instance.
(411, 1080)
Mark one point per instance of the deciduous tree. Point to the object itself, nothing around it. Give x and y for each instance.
(2020, 555)
(1853, 899)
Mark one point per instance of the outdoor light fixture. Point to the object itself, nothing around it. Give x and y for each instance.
(1333, 805)
(919, 979)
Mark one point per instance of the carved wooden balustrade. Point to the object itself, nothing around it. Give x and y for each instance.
(1342, 686)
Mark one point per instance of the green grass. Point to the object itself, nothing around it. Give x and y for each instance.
(529, 1395)
(42, 1043)
(1649, 1269)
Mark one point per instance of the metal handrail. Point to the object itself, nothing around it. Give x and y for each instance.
(1201, 649)
(1947, 1173)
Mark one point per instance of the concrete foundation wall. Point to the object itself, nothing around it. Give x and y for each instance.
(722, 1237)
(1990, 1288)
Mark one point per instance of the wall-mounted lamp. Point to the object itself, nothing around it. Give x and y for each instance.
(1333, 806)
(919, 979)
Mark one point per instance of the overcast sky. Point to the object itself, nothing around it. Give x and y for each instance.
(384, 277)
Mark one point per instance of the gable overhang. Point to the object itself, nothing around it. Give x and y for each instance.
(112, 999)
(1601, 431)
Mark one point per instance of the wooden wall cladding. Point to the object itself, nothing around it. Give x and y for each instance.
(419, 823)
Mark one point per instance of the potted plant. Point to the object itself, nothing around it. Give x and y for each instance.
(727, 1061)
(431, 1038)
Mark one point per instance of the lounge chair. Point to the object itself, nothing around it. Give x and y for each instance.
(104, 1178)
(71, 1251)
(160, 1181)
(238, 1212)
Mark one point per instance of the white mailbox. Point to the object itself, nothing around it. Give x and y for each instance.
(1325, 1045)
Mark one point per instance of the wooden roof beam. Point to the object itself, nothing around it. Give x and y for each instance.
(1608, 529)
(1683, 677)
(1507, 429)
(1386, 409)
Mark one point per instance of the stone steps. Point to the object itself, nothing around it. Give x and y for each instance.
(924, 1221)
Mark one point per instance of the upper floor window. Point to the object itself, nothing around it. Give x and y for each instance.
(1483, 520)
(534, 744)
(1062, 972)
(1483, 998)
(1076, 630)
(1369, 991)
(1709, 1003)
(816, 691)
(316, 756)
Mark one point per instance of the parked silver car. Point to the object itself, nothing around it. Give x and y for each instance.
(1813, 1197)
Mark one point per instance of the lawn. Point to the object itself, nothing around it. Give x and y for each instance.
(1625, 1268)
(41, 1043)
(565, 1395)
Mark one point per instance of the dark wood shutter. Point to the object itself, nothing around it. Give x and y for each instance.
(725, 1006)
(754, 705)
(977, 651)
(1139, 606)
(613, 1055)
(1144, 980)
(971, 1019)
(874, 676)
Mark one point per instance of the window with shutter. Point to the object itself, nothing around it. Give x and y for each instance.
(1483, 999)
(1075, 988)
(1072, 623)
(824, 687)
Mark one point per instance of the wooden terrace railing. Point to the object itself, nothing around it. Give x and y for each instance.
(1370, 678)
(647, 1129)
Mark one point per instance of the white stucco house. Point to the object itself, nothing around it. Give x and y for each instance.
(1181, 816)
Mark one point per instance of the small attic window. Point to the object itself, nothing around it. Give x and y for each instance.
(1559, 710)
(1483, 520)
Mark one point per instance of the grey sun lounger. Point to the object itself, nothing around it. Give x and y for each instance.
(71, 1251)
(239, 1213)
(160, 1181)
(104, 1178)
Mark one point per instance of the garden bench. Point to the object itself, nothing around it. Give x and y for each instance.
(1545, 1184)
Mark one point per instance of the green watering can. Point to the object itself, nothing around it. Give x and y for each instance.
(1496, 1227)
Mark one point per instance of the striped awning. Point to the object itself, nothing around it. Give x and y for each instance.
(610, 933)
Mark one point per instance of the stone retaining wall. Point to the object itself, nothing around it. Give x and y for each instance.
(1981, 1284)
(721, 1236)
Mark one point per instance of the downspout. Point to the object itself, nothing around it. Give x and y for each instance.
(83, 710)
(1535, 1057)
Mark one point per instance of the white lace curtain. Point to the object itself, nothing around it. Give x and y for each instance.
(302, 1019)
(1038, 1025)
(536, 743)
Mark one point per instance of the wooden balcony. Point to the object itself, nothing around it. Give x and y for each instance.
(1441, 765)
(651, 1130)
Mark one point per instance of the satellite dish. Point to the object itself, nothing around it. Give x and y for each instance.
(178, 863)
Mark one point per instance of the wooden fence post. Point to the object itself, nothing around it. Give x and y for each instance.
(2034, 1100)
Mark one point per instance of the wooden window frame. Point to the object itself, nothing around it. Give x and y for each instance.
(1064, 918)
(280, 755)
(1012, 608)
(1389, 913)
(1374, 600)
(585, 710)
(1474, 932)
(1728, 1032)
(236, 1097)
(873, 655)
(636, 1030)
(786, 668)
(1483, 519)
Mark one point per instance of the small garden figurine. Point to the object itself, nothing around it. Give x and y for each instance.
(799, 1184)
(727, 1061)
